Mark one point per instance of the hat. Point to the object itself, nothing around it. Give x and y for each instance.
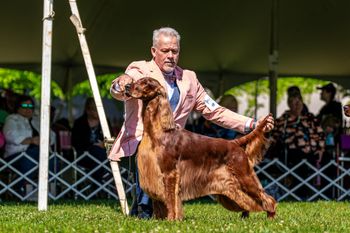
(329, 88)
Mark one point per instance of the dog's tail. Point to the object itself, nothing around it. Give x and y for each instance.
(255, 143)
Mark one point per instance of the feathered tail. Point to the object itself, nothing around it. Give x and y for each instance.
(255, 143)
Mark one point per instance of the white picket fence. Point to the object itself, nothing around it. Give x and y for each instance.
(68, 179)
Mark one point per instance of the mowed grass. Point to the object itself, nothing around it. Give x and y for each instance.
(105, 216)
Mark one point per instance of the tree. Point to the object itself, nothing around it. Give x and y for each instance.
(26, 82)
(103, 81)
(261, 87)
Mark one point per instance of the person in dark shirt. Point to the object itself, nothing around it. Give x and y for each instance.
(87, 136)
(330, 115)
(295, 91)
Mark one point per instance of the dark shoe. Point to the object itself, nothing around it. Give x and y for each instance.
(144, 215)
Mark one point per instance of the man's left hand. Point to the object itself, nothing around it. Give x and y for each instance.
(270, 123)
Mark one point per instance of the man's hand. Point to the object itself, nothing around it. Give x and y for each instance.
(119, 84)
(270, 123)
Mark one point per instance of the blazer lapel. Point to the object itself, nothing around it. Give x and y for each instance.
(157, 74)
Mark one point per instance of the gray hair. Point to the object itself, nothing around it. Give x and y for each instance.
(167, 31)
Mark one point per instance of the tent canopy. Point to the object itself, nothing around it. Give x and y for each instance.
(226, 42)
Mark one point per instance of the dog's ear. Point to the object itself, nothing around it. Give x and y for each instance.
(166, 116)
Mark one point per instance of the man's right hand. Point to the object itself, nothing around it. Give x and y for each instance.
(121, 81)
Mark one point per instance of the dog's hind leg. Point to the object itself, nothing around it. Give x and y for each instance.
(244, 202)
(254, 189)
(228, 204)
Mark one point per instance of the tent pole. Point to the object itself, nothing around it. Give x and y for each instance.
(45, 105)
(273, 57)
(75, 18)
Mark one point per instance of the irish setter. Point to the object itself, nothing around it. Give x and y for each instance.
(177, 165)
(346, 109)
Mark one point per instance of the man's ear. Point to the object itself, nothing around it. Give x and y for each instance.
(153, 51)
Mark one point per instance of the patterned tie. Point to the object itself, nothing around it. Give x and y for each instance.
(175, 98)
(176, 94)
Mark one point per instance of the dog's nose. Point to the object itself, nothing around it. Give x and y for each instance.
(127, 87)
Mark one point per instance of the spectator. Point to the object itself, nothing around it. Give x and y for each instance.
(22, 136)
(330, 115)
(297, 136)
(295, 91)
(87, 136)
(3, 112)
(3, 115)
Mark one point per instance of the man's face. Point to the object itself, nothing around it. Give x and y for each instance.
(166, 53)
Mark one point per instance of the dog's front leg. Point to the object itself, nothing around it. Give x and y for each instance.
(160, 211)
(172, 195)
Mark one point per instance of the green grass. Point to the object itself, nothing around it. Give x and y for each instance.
(105, 216)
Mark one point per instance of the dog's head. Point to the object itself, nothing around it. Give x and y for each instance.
(346, 109)
(145, 89)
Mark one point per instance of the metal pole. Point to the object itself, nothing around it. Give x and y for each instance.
(273, 57)
(75, 18)
(45, 105)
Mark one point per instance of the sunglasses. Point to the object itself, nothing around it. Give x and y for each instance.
(30, 106)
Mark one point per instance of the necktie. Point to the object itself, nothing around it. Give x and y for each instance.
(174, 100)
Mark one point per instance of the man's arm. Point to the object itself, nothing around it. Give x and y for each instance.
(223, 116)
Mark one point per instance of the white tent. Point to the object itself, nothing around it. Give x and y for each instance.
(225, 40)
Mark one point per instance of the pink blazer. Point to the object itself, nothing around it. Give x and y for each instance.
(192, 97)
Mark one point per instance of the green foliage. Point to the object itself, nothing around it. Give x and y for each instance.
(104, 84)
(26, 82)
(105, 216)
(261, 87)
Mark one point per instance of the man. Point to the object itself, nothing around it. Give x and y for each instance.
(331, 114)
(185, 94)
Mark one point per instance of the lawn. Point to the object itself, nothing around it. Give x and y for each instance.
(200, 216)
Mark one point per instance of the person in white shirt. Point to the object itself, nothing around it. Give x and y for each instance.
(22, 135)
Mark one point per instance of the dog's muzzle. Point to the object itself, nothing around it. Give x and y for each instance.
(127, 89)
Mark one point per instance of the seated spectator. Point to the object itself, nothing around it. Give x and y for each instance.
(22, 136)
(3, 112)
(87, 136)
(297, 136)
(3, 115)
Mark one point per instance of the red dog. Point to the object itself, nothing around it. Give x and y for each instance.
(347, 110)
(176, 165)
